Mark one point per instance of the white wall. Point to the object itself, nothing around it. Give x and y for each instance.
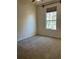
(26, 19)
(41, 22)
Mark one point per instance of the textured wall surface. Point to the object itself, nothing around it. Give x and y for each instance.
(26, 19)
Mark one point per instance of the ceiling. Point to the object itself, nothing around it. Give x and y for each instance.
(45, 2)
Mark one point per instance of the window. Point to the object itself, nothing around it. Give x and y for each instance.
(51, 19)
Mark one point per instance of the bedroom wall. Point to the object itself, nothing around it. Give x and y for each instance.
(41, 22)
(26, 19)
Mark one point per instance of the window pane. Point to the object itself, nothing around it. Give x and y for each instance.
(53, 17)
(51, 25)
(49, 16)
(54, 13)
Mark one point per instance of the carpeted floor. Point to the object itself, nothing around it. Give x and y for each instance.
(39, 47)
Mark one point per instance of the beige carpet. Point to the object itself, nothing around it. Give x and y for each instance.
(39, 47)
